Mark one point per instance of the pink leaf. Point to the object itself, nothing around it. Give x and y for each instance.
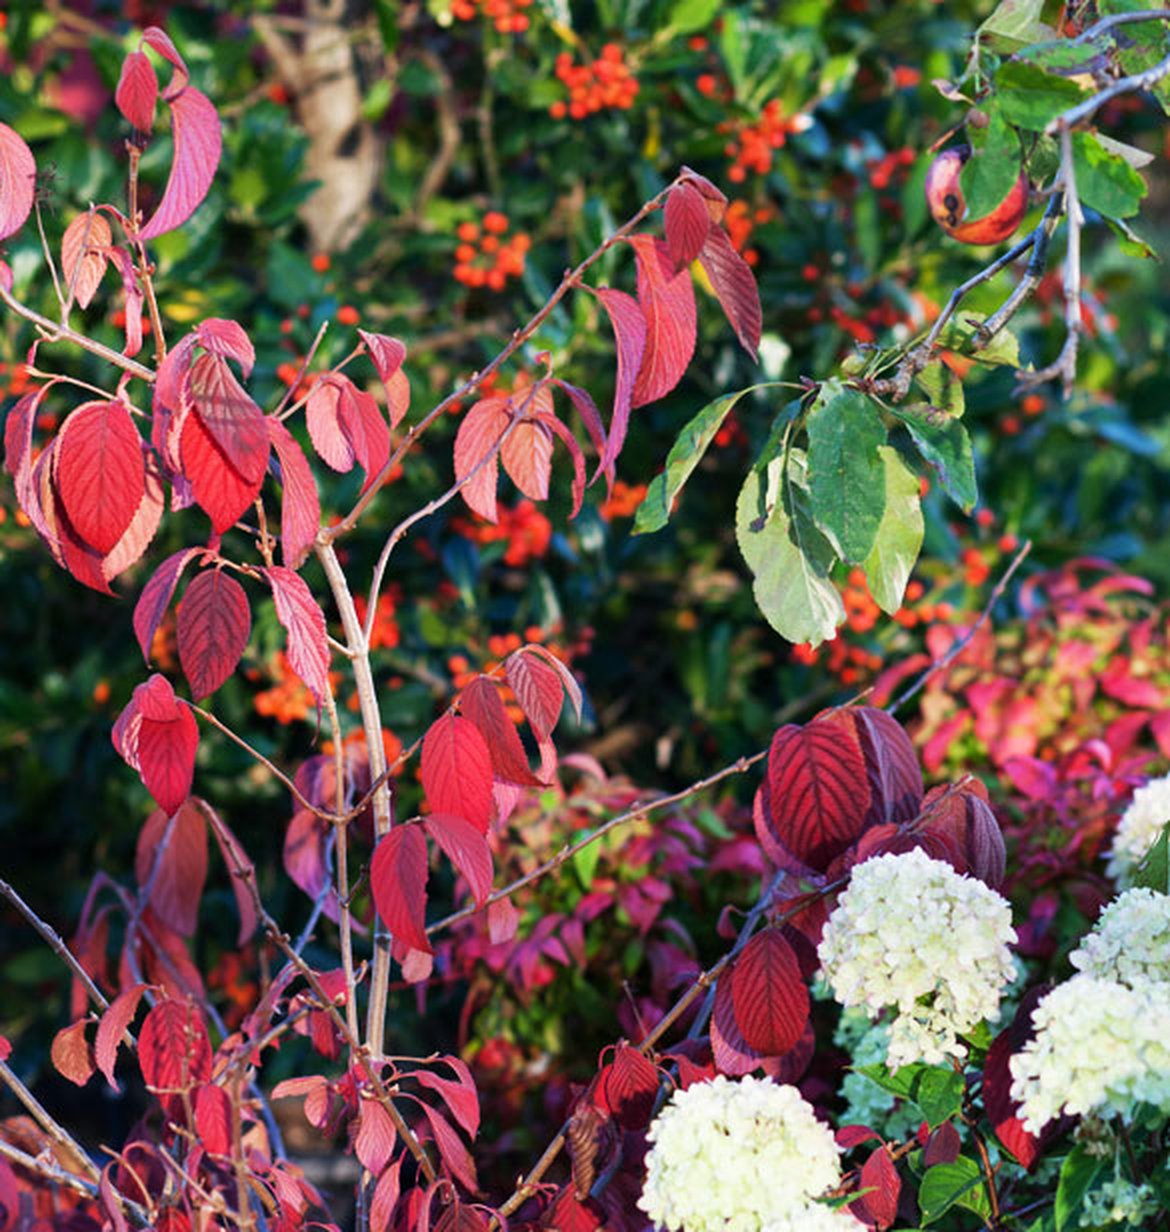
(374, 1141)
(451, 1149)
(398, 882)
(457, 770)
(481, 703)
(667, 300)
(714, 197)
(304, 622)
(143, 525)
(235, 422)
(18, 177)
(212, 630)
(538, 690)
(459, 1095)
(83, 256)
(527, 457)
(135, 297)
(180, 869)
(224, 337)
(735, 287)
(220, 490)
(590, 417)
(236, 858)
(112, 1027)
(174, 1052)
(365, 429)
(213, 1119)
(300, 506)
(476, 454)
(629, 331)
(198, 144)
(770, 998)
(687, 223)
(71, 1053)
(503, 921)
(323, 419)
(554, 425)
(160, 41)
(100, 473)
(465, 846)
(158, 737)
(385, 1198)
(156, 597)
(137, 91)
(387, 354)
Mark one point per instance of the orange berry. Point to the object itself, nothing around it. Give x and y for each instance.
(465, 254)
(467, 232)
(558, 110)
(321, 262)
(347, 315)
(495, 221)
(489, 243)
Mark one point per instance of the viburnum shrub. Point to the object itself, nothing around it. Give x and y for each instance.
(893, 890)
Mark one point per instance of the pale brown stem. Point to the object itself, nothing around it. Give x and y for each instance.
(47, 1122)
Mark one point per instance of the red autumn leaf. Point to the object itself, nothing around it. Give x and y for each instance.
(554, 425)
(735, 287)
(964, 819)
(943, 1147)
(687, 222)
(158, 737)
(629, 332)
(451, 1149)
(481, 703)
(458, 1094)
(849, 1136)
(72, 1054)
(160, 41)
(100, 474)
(323, 419)
(219, 489)
(630, 1087)
(212, 630)
(385, 1197)
(398, 882)
(570, 1214)
(590, 417)
(477, 465)
(300, 506)
(374, 1141)
(143, 525)
(465, 846)
(112, 1027)
(305, 858)
(387, 354)
(18, 176)
(235, 422)
(1002, 1110)
(83, 256)
(213, 1119)
(770, 997)
(304, 622)
(179, 868)
(880, 1176)
(527, 458)
(174, 1052)
(891, 762)
(198, 145)
(815, 795)
(732, 1054)
(503, 921)
(137, 91)
(156, 597)
(110, 1201)
(538, 689)
(366, 430)
(457, 770)
(135, 298)
(226, 338)
(667, 300)
(236, 858)
(714, 197)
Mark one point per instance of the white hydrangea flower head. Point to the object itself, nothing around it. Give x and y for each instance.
(816, 1217)
(911, 933)
(1138, 830)
(1130, 942)
(737, 1156)
(1099, 1047)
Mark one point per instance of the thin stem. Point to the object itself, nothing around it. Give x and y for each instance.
(280, 412)
(341, 859)
(47, 1122)
(1119, 19)
(1125, 85)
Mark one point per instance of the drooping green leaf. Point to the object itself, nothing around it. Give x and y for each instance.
(960, 334)
(846, 475)
(789, 558)
(1105, 181)
(1031, 98)
(946, 1185)
(1077, 1174)
(944, 443)
(685, 454)
(1015, 24)
(993, 168)
(1153, 873)
(899, 539)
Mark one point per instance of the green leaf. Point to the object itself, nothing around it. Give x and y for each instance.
(1141, 44)
(1105, 181)
(899, 539)
(1077, 1174)
(685, 454)
(993, 168)
(789, 558)
(938, 1093)
(899, 1082)
(943, 388)
(946, 1185)
(959, 335)
(687, 16)
(846, 474)
(1014, 24)
(944, 443)
(1153, 873)
(1031, 98)
(1130, 243)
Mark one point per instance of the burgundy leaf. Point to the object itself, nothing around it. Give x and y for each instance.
(112, 1027)
(815, 795)
(480, 702)
(732, 1054)
(457, 770)
(590, 417)
(849, 1136)
(156, 597)
(83, 256)
(459, 1094)
(714, 197)
(667, 300)
(629, 331)
(180, 868)
(476, 456)
(398, 882)
(735, 287)
(137, 91)
(538, 690)
(174, 1052)
(18, 176)
(198, 145)
(466, 847)
(306, 860)
(966, 819)
(527, 458)
(770, 997)
(687, 223)
(213, 1119)
(304, 622)
(374, 1141)
(100, 474)
(630, 1087)
(570, 1214)
(219, 489)
(943, 1147)
(235, 422)
(891, 762)
(71, 1053)
(1002, 1110)
(212, 630)
(300, 507)
(880, 1176)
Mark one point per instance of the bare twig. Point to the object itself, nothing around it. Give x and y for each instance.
(47, 1122)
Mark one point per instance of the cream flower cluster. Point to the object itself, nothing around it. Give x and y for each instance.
(911, 933)
(1099, 1047)
(1138, 830)
(1130, 942)
(740, 1156)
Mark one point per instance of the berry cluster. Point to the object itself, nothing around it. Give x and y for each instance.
(484, 257)
(507, 16)
(623, 501)
(525, 530)
(607, 82)
(752, 146)
(741, 220)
